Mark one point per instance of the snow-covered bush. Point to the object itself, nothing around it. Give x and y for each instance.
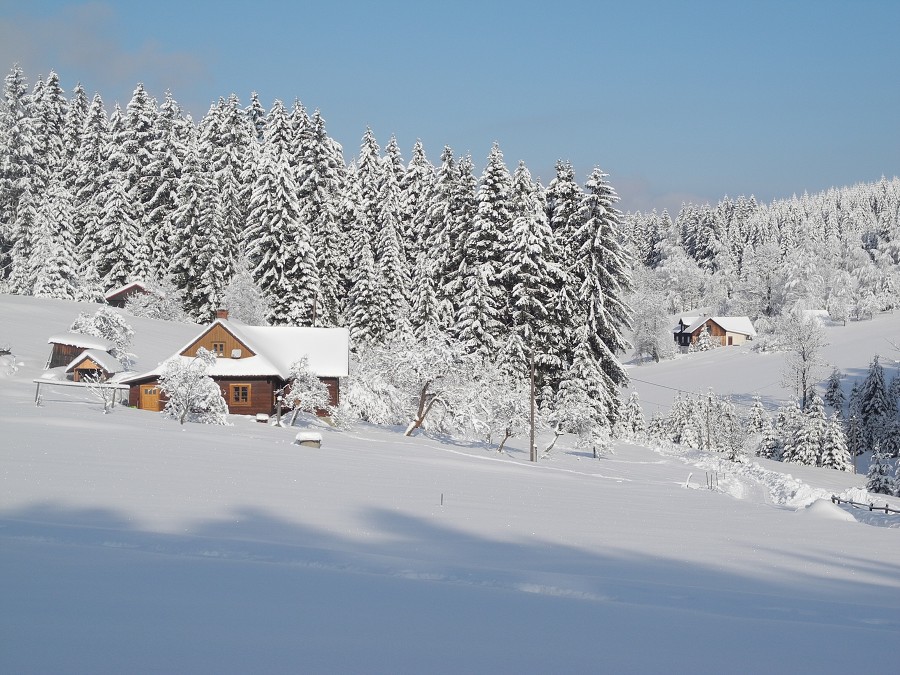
(193, 395)
(305, 391)
(108, 324)
(421, 381)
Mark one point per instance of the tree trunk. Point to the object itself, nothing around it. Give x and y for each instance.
(426, 400)
(506, 436)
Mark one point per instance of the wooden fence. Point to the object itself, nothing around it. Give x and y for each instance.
(871, 506)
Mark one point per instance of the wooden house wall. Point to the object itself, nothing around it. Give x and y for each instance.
(218, 333)
(63, 355)
(262, 395)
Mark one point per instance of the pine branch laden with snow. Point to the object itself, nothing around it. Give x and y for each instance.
(192, 395)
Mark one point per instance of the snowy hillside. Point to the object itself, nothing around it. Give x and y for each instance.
(131, 544)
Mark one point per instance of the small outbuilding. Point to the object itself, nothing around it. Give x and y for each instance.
(118, 296)
(93, 364)
(727, 330)
(66, 346)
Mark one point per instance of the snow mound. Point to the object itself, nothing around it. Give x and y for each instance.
(827, 510)
(8, 366)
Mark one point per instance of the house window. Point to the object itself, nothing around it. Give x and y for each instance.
(218, 348)
(240, 394)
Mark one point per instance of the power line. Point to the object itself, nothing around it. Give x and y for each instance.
(694, 393)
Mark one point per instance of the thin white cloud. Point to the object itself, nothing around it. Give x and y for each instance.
(82, 43)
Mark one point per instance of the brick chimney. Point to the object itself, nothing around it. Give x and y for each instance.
(221, 313)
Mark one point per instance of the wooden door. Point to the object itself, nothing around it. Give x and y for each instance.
(150, 398)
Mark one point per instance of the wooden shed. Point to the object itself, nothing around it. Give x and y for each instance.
(93, 363)
(118, 296)
(67, 346)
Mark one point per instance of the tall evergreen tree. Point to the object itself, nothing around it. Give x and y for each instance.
(603, 274)
(279, 247)
(834, 453)
(16, 172)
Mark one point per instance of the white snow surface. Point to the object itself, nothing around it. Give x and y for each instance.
(129, 543)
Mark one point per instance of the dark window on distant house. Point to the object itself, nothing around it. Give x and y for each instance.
(218, 348)
(240, 394)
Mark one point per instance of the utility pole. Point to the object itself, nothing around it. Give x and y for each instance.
(533, 455)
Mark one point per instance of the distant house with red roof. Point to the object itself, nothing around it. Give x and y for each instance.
(727, 330)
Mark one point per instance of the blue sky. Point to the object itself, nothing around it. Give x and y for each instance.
(677, 101)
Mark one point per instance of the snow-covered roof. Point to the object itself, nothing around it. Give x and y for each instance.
(134, 285)
(730, 324)
(105, 360)
(276, 348)
(81, 340)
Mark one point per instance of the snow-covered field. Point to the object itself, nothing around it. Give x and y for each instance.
(131, 544)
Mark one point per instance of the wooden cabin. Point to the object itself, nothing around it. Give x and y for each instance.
(65, 347)
(93, 364)
(727, 330)
(118, 296)
(254, 362)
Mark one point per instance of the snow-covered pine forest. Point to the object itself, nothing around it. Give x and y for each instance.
(450, 269)
(249, 203)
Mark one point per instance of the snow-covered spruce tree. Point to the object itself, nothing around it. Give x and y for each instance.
(197, 265)
(165, 169)
(48, 106)
(876, 409)
(787, 420)
(416, 187)
(633, 425)
(759, 430)
(808, 438)
(226, 147)
(834, 394)
(581, 404)
(897, 478)
(390, 259)
(602, 272)
(527, 270)
(424, 305)
(118, 243)
(193, 396)
(305, 391)
(17, 146)
(834, 453)
(108, 324)
(478, 320)
(320, 183)
(279, 247)
(243, 297)
(878, 478)
(365, 317)
(88, 190)
(54, 272)
(704, 342)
